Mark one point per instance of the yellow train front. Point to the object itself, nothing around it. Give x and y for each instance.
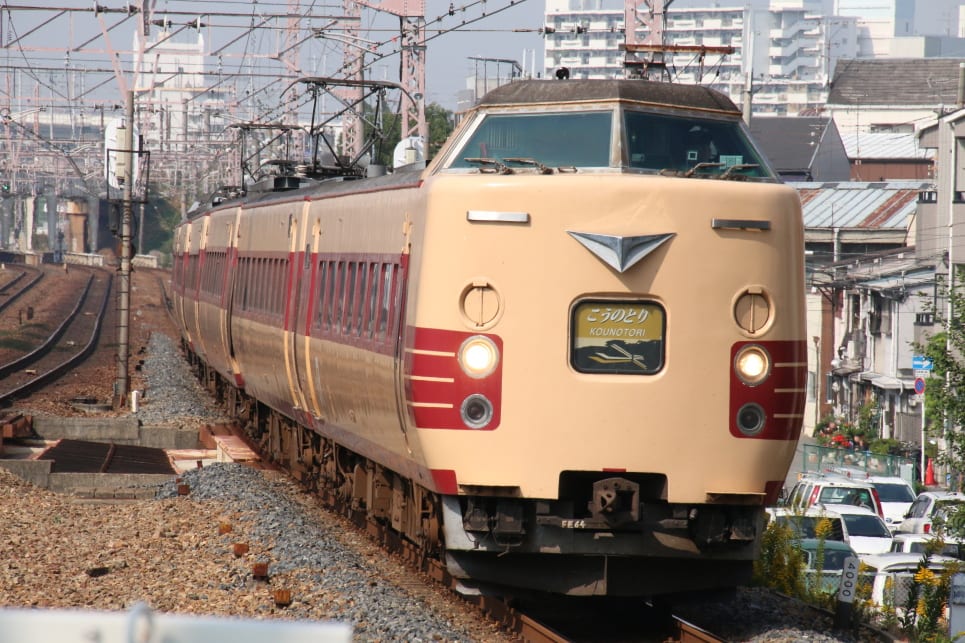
(620, 279)
(567, 356)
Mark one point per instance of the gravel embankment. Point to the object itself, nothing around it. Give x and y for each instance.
(171, 392)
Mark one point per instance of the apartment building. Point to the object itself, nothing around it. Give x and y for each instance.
(789, 48)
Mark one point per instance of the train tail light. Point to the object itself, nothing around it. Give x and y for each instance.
(750, 419)
(478, 356)
(752, 364)
(476, 411)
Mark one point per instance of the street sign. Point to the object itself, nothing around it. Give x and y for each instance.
(921, 363)
(919, 386)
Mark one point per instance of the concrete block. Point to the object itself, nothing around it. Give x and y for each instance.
(36, 472)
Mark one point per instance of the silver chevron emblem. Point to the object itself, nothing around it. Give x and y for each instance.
(620, 253)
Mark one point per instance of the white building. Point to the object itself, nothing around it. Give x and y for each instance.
(790, 47)
(883, 24)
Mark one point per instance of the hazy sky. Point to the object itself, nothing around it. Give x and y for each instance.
(42, 40)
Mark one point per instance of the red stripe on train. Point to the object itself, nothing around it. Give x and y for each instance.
(781, 396)
(438, 382)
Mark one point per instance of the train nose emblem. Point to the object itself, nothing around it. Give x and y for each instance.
(620, 253)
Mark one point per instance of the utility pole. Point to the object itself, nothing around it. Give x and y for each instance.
(121, 384)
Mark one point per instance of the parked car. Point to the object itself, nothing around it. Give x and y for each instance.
(859, 527)
(901, 569)
(830, 555)
(928, 506)
(917, 544)
(896, 496)
(833, 489)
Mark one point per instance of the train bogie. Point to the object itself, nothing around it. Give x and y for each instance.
(574, 342)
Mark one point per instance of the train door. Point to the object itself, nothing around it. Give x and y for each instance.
(399, 299)
(196, 300)
(234, 284)
(227, 287)
(182, 258)
(299, 267)
(310, 301)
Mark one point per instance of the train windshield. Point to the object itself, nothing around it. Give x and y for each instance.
(550, 140)
(681, 146)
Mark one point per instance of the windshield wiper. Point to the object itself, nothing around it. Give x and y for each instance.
(729, 173)
(530, 161)
(489, 165)
(701, 166)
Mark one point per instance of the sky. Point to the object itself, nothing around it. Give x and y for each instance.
(43, 40)
(447, 55)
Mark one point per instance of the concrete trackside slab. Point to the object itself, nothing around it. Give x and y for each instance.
(119, 486)
(108, 485)
(36, 472)
(120, 430)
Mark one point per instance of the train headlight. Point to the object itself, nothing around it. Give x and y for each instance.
(752, 364)
(476, 411)
(478, 356)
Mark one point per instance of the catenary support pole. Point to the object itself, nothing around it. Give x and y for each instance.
(121, 384)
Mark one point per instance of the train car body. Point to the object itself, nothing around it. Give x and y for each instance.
(569, 353)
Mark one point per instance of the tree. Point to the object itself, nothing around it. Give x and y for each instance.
(440, 124)
(944, 405)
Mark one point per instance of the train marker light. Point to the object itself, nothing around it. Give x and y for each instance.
(752, 364)
(476, 411)
(750, 419)
(478, 356)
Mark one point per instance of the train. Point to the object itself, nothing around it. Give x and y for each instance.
(566, 355)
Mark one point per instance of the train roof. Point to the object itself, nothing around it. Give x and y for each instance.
(643, 91)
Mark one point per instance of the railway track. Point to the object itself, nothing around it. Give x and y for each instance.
(72, 340)
(21, 279)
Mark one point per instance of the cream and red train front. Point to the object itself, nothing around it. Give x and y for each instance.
(623, 350)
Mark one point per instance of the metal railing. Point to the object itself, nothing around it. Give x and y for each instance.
(819, 459)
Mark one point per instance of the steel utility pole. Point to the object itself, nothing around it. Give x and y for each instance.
(121, 384)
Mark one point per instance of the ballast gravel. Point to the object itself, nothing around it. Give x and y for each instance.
(176, 553)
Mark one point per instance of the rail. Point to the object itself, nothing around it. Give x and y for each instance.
(23, 287)
(60, 368)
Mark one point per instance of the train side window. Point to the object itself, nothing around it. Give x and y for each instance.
(255, 283)
(239, 284)
(350, 283)
(332, 291)
(284, 283)
(263, 285)
(388, 294)
(373, 303)
(271, 275)
(319, 311)
(339, 297)
(386, 287)
(361, 298)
